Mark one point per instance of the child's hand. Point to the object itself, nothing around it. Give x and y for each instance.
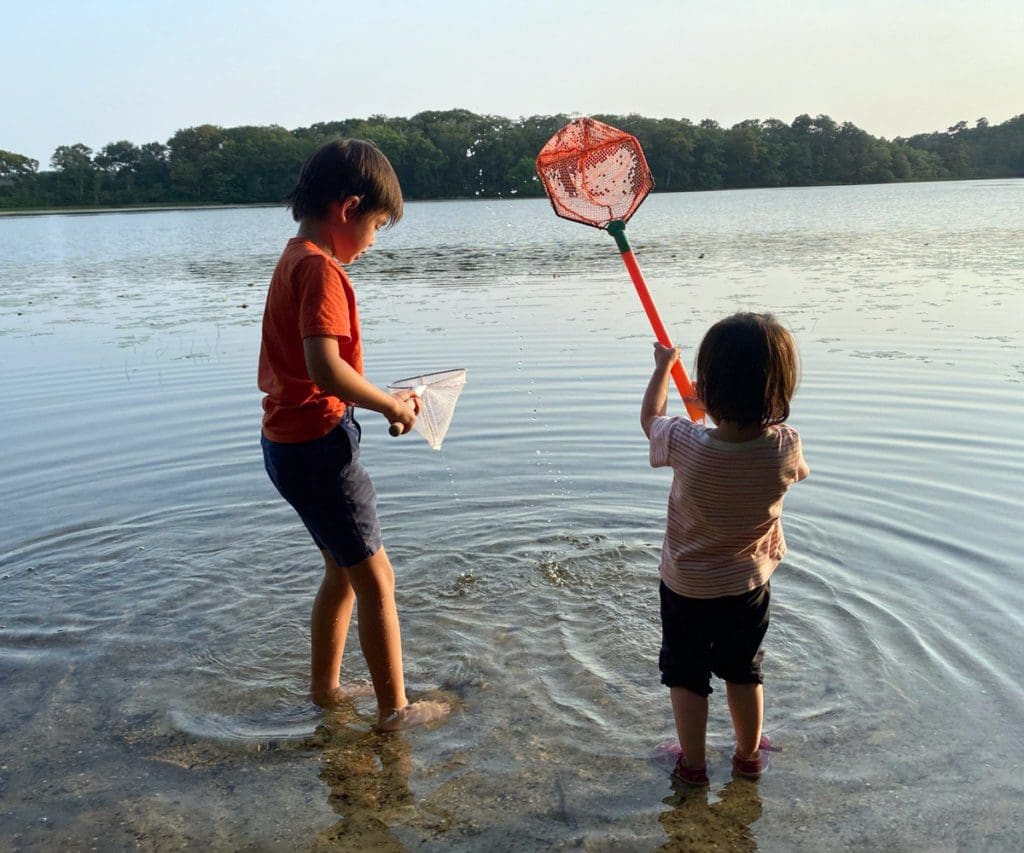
(665, 357)
(407, 395)
(406, 410)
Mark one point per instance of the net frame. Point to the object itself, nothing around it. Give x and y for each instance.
(438, 392)
(594, 173)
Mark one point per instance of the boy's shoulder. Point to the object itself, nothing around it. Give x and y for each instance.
(301, 258)
(298, 249)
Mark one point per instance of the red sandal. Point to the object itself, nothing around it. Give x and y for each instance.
(669, 755)
(752, 768)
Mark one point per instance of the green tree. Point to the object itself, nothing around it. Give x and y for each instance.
(256, 164)
(17, 174)
(194, 161)
(741, 151)
(668, 147)
(709, 171)
(153, 173)
(775, 140)
(16, 167)
(457, 153)
(419, 166)
(455, 133)
(118, 161)
(76, 172)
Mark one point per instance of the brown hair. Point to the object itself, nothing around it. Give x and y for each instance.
(342, 168)
(748, 368)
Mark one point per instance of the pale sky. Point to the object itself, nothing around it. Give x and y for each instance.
(98, 71)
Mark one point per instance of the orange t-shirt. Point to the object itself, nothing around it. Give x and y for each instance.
(310, 295)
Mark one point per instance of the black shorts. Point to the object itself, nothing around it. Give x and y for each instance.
(332, 493)
(701, 636)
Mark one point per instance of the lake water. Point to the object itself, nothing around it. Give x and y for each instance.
(155, 590)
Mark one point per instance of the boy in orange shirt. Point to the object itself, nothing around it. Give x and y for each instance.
(311, 370)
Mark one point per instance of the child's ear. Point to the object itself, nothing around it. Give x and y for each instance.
(348, 208)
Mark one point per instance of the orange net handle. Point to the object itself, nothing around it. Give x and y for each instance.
(682, 382)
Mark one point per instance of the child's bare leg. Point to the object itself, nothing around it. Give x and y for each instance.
(691, 714)
(380, 637)
(746, 705)
(329, 623)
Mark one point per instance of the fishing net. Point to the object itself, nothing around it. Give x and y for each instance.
(597, 175)
(438, 393)
(594, 173)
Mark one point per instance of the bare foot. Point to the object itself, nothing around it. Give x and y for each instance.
(414, 714)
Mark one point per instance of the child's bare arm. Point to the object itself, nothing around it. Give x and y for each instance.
(336, 376)
(656, 395)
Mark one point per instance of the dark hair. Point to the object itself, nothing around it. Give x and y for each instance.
(342, 168)
(748, 368)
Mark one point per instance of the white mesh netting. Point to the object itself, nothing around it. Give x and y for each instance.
(438, 393)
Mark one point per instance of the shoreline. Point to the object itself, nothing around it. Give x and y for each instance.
(144, 208)
(156, 208)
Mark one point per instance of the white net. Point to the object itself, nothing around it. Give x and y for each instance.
(438, 393)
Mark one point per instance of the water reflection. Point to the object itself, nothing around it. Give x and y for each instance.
(697, 820)
(367, 777)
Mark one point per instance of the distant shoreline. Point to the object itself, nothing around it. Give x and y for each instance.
(142, 208)
(156, 208)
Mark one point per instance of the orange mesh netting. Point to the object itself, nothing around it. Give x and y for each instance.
(594, 173)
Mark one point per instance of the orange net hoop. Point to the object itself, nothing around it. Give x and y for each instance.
(594, 173)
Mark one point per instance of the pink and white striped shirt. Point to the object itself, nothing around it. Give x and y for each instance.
(724, 531)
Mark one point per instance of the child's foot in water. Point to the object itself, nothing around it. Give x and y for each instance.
(751, 767)
(669, 756)
(414, 714)
(342, 695)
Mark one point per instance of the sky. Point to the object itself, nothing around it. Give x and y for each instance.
(100, 71)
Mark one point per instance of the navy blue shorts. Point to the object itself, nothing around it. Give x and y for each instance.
(332, 493)
(701, 636)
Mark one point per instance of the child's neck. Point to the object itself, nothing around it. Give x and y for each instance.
(316, 232)
(733, 432)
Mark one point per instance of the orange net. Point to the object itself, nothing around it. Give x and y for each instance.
(594, 173)
(597, 174)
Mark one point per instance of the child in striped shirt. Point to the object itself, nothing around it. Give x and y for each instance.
(724, 534)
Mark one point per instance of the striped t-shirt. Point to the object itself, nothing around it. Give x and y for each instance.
(724, 530)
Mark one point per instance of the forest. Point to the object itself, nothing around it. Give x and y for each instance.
(459, 154)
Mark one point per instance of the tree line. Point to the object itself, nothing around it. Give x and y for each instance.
(459, 154)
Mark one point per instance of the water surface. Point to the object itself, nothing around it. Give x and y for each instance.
(154, 591)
